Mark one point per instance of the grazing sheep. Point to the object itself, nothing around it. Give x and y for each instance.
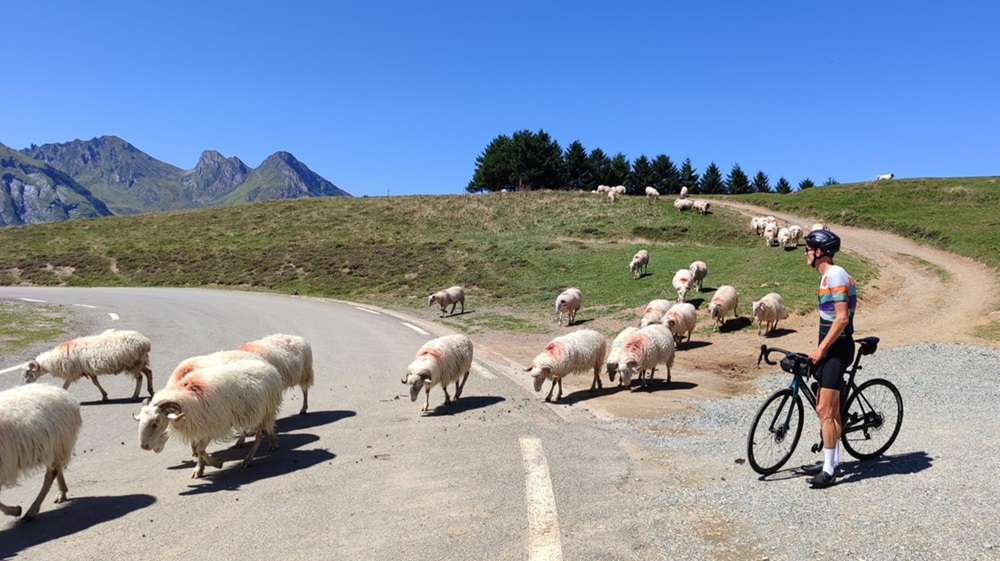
(619, 189)
(38, 429)
(699, 270)
(612, 195)
(768, 310)
(884, 176)
(569, 302)
(654, 312)
(682, 283)
(702, 206)
(757, 225)
(579, 351)
(643, 350)
(684, 193)
(453, 296)
(111, 352)
(639, 262)
(616, 351)
(440, 361)
(681, 318)
(683, 204)
(603, 188)
(724, 301)
(214, 403)
(652, 193)
(292, 356)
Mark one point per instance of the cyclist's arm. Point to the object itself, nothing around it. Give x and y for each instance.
(840, 322)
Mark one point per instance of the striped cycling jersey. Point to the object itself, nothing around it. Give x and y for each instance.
(836, 286)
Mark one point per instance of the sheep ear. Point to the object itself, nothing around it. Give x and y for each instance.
(527, 369)
(33, 366)
(175, 416)
(425, 376)
(170, 407)
(145, 402)
(134, 416)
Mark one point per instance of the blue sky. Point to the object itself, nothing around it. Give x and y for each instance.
(400, 97)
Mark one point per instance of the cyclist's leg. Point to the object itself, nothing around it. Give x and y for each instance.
(831, 378)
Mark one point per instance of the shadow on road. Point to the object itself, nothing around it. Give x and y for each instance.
(311, 419)
(466, 403)
(857, 470)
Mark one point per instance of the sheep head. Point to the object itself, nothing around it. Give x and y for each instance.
(153, 422)
(33, 371)
(539, 374)
(416, 382)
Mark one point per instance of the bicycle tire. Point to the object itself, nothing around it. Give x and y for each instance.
(766, 440)
(872, 410)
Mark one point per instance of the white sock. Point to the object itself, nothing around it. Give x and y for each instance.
(836, 455)
(829, 461)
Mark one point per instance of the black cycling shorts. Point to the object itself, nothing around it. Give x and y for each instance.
(830, 371)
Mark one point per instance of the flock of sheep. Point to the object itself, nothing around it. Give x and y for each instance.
(682, 202)
(217, 396)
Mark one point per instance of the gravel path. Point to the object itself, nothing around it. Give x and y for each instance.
(931, 497)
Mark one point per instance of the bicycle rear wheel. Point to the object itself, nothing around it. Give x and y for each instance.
(872, 419)
(775, 432)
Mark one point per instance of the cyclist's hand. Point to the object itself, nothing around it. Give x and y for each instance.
(816, 356)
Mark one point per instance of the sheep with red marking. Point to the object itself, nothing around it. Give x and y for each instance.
(111, 352)
(214, 403)
(440, 361)
(579, 351)
(681, 318)
(643, 351)
(654, 311)
(724, 300)
(38, 429)
(611, 363)
(682, 283)
(699, 270)
(454, 295)
(292, 356)
(569, 302)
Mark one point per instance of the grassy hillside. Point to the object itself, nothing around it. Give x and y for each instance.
(961, 215)
(513, 252)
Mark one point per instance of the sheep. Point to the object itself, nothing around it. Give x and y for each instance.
(214, 403)
(885, 176)
(569, 302)
(682, 283)
(616, 351)
(757, 224)
(770, 234)
(794, 234)
(724, 301)
(578, 351)
(784, 237)
(603, 188)
(684, 193)
(440, 361)
(643, 350)
(39, 424)
(454, 296)
(111, 352)
(639, 262)
(768, 310)
(819, 226)
(619, 189)
(681, 318)
(612, 196)
(292, 356)
(683, 204)
(652, 193)
(654, 311)
(699, 270)
(702, 206)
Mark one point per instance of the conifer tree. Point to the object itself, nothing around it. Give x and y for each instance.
(783, 186)
(738, 183)
(642, 174)
(578, 173)
(711, 182)
(806, 184)
(761, 183)
(688, 176)
(666, 178)
(620, 171)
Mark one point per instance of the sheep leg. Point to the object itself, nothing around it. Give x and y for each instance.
(14, 511)
(149, 381)
(460, 387)
(463, 306)
(447, 398)
(199, 468)
(552, 387)
(104, 394)
(427, 399)
(452, 312)
(597, 378)
(63, 489)
(50, 474)
(559, 395)
(305, 400)
(138, 386)
(668, 374)
(272, 439)
(65, 385)
(253, 449)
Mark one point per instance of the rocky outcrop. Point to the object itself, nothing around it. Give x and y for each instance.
(32, 192)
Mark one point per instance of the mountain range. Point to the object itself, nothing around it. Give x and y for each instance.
(107, 175)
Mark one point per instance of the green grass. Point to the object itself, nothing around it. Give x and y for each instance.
(21, 325)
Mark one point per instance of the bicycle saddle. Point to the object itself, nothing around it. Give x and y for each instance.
(867, 345)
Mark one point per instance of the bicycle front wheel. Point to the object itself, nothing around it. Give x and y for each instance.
(872, 419)
(775, 432)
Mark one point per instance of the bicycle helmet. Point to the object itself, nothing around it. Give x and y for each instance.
(825, 240)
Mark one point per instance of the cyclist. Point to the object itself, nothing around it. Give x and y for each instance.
(835, 351)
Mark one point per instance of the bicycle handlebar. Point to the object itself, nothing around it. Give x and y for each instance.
(766, 351)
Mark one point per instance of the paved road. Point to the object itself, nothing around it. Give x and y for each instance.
(498, 475)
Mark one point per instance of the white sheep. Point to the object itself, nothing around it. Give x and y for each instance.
(454, 295)
(652, 193)
(214, 403)
(111, 352)
(292, 356)
(794, 235)
(683, 204)
(639, 263)
(819, 226)
(612, 195)
(616, 351)
(619, 189)
(681, 319)
(684, 193)
(784, 237)
(643, 350)
(757, 225)
(699, 270)
(770, 234)
(569, 302)
(654, 311)
(702, 206)
(579, 351)
(682, 283)
(38, 429)
(768, 310)
(603, 188)
(884, 176)
(440, 361)
(724, 301)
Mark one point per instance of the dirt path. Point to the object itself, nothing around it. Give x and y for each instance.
(922, 294)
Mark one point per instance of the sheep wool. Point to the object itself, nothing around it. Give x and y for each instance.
(569, 302)
(440, 361)
(292, 356)
(611, 363)
(579, 351)
(454, 295)
(643, 351)
(724, 301)
(768, 310)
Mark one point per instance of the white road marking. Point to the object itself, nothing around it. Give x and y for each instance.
(367, 310)
(415, 328)
(114, 316)
(543, 523)
(13, 368)
(85, 306)
(33, 300)
(480, 371)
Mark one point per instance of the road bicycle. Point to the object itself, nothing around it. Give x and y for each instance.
(871, 413)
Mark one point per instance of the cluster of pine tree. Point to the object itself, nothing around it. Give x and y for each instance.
(528, 160)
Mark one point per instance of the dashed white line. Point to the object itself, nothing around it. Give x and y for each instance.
(415, 328)
(13, 368)
(33, 300)
(543, 523)
(114, 316)
(480, 371)
(367, 310)
(85, 306)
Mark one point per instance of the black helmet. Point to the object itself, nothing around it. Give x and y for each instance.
(825, 240)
